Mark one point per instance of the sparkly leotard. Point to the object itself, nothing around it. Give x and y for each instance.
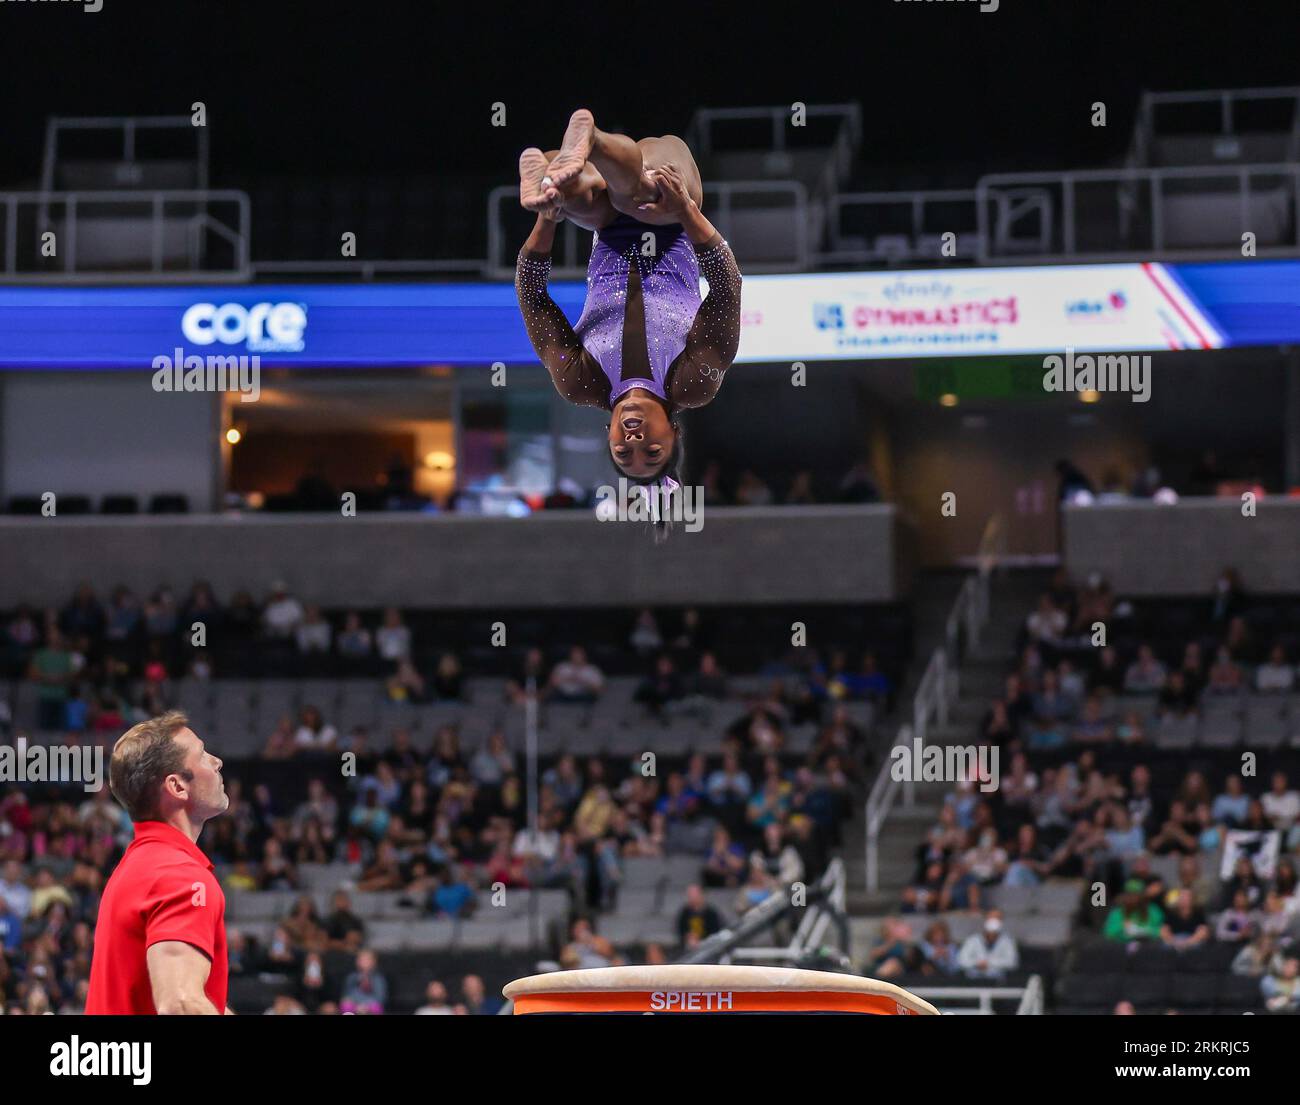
(644, 323)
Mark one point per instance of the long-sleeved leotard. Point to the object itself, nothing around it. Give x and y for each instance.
(574, 371)
(695, 375)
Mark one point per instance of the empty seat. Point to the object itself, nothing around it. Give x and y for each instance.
(643, 872)
(1058, 897)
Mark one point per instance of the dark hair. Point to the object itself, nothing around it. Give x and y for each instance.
(672, 468)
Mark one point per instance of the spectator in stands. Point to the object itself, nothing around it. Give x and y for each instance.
(895, 953)
(314, 987)
(493, 762)
(393, 638)
(365, 990)
(1185, 926)
(303, 925)
(646, 639)
(1243, 879)
(11, 928)
(282, 614)
(778, 857)
(313, 734)
(354, 643)
(1107, 676)
(939, 953)
(1281, 986)
(1281, 804)
(406, 684)
(1287, 885)
(52, 669)
(344, 930)
(277, 871)
(1276, 675)
(703, 687)
(436, 1002)
(1192, 882)
(1047, 624)
(576, 680)
(857, 486)
(1257, 957)
(586, 949)
(475, 999)
(1228, 597)
(1239, 923)
(1135, 917)
(454, 896)
(449, 678)
(1226, 676)
(869, 684)
(800, 492)
(532, 667)
(1176, 698)
(1241, 644)
(1146, 675)
(22, 635)
(369, 816)
(697, 919)
(725, 865)
(751, 491)
(281, 744)
(1231, 807)
(1123, 840)
(1092, 726)
(1028, 861)
(1181, 832)
(991, 953)
(758, 887)
(313, 634)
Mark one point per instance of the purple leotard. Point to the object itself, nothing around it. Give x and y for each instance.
(643, 324)
(669, 277)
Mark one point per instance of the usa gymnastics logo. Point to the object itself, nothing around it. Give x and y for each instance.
(260, 328)
(1112, 308)
(828, 316)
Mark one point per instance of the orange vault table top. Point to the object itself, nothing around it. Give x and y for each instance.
(710, 988)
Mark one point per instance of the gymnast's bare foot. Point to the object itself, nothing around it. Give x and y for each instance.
(533, 194)
(575, 149)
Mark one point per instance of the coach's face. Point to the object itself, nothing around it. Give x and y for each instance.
(207, 789)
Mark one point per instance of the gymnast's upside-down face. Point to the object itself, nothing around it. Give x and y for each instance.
(641, 438)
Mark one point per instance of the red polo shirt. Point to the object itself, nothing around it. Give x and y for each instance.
(164, 889)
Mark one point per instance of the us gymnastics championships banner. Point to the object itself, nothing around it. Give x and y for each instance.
(828, 316)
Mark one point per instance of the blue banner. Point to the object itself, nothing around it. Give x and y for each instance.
(857, 316)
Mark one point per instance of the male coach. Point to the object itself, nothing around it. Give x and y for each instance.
(160, 941)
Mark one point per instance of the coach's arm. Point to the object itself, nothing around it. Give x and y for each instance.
(177, 974)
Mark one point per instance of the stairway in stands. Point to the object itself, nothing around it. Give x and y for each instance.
(982, 673)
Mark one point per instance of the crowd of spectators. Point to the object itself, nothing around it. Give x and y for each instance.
(416, 813)
(1084, 794)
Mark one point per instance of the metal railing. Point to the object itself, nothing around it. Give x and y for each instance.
(937, 689)
(1147, 129)
(367, 271)
(1036, 216)
(723, 200)
(700, 132)
(921, 242)
(130, 127)
(1029, 996)
(178, 221)
(825, 908)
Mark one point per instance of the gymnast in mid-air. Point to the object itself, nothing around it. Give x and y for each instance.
(647, 345)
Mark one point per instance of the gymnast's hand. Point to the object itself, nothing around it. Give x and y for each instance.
(674, 201)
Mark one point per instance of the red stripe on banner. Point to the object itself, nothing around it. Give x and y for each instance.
(1149, 269)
